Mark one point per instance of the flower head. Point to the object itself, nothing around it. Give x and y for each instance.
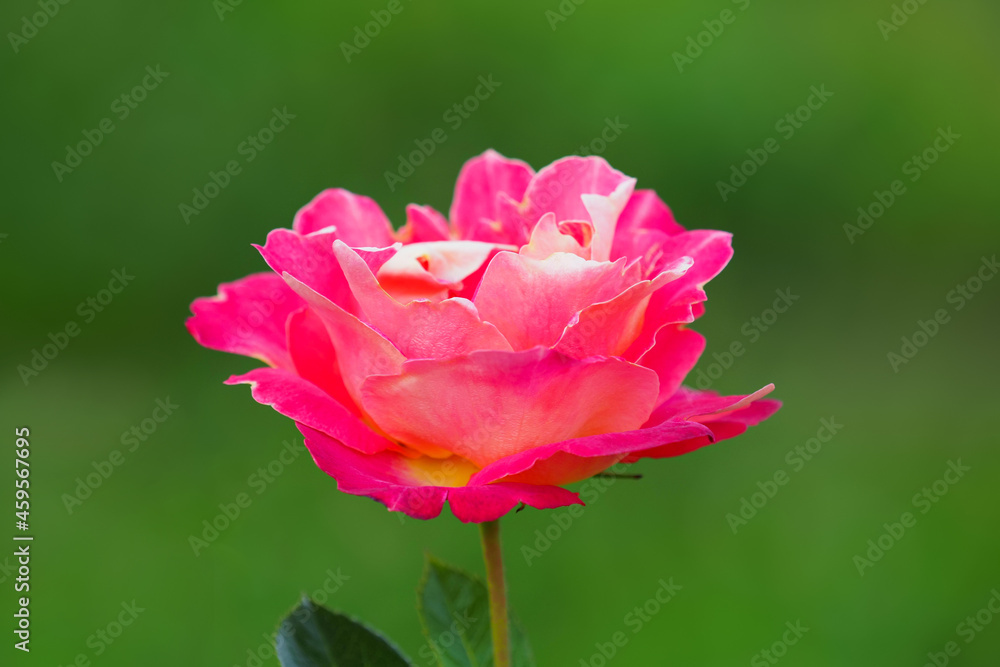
(534, 338)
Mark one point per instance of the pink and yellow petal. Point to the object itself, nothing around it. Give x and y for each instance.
(420, 487)
(489, 405)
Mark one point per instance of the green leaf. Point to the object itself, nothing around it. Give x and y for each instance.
(455, 614)
(314, 636)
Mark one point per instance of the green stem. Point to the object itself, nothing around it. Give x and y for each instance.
(493, 555)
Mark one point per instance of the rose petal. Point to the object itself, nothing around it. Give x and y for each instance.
(307, 404)
(430, 270)
(314, 357)
(609, 327)
(482, 181)
(679, 301)
(692, 422)
(247, 317)
(361, 351)
(675, 352)
(420, 487)
(311, 260)
(531, 301)
(604, 212)
(488, 405)
(725, 416)
(645, 211)
(358, 220)
(423, 224)
(559, 188)
(419, 329)
(548, 237)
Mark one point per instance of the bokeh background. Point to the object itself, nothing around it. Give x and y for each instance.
(560, 82)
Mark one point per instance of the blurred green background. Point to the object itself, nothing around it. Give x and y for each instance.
(793, 561)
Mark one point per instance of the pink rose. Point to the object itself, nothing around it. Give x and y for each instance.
(531, 341)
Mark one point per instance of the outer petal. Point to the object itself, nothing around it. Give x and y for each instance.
(359, 220)
(308, 404)
(531, 301)
(314, 356)
(726, 416)
(481, 183)
(572, 460)
(680, 428)
(247, 317)
(645, 210)
(608, 328)
(673, 355)
(488, 405)
(419, 329)
(311, 260)
(679, 301)
(361, 351)
(420, 487)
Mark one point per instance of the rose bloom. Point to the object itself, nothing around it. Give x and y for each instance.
(533, 339)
